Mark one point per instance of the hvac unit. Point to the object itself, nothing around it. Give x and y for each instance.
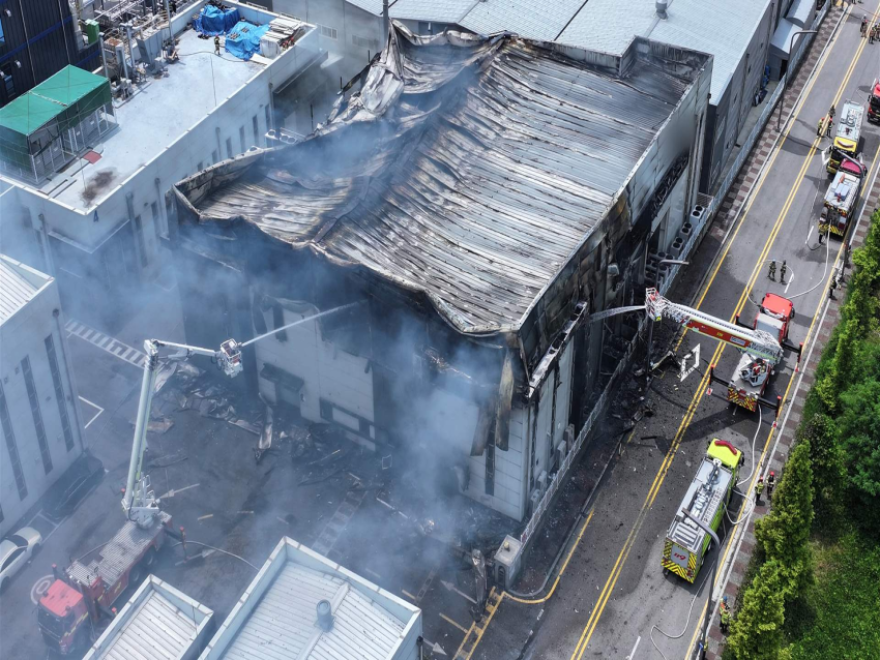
(542, 481)
(534, 500)
(561, 451)
(698, 215)
(508, 561)
(568, 436)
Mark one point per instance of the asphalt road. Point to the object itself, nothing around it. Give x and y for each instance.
(226, 500)
(613, 592)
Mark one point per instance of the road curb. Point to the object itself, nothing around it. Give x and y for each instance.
(829, 316)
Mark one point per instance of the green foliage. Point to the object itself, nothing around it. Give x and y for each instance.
(845, 602)
(843, 409)
(756, 632)
(784, 533)
(827, 463)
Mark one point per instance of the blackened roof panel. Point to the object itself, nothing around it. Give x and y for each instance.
(468, 168)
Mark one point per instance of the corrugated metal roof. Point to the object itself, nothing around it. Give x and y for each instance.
(495, 162)
(434, 11)
(18, 286)
(284, 625)
(521, 17)
(157, 630)
(372, 6)
(157, 623)
(718, 27)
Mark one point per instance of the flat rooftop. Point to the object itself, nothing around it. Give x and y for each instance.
(160, 112)
(720, 28)
(276, 618)
(18, 286)
(472, 178)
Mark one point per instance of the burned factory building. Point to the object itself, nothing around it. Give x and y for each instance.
(456, 220)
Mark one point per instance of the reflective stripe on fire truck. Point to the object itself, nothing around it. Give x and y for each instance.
(689, 572)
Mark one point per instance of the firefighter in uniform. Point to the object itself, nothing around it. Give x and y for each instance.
(759, 488)
(864, 27)
(771, 481)
(725, 616)
(782, 272)
(772, 273)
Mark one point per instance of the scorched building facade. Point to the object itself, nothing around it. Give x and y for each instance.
(470, 204)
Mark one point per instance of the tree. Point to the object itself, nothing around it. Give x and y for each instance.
(785, 532)
(756, 632)
(857, 424)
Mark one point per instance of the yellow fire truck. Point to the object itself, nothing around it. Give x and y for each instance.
(846, 137)
(706, 499)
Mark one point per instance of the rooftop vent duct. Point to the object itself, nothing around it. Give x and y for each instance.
(325, 615)
(661, 6)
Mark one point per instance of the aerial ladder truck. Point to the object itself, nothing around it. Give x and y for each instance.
(84, 593)
(762, 345)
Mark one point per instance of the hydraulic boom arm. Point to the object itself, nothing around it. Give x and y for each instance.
(139, 503)
(755, 342)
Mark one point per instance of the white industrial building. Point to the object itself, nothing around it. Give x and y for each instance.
(737, 34)
(158, 622)
(93, 214)
(301, 605)
(39, 411)
(477, 222)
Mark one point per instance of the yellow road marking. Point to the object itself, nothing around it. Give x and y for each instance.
(729, 544)
(561, 570)
(621, 559)
(454, 623)
(491, 609)
(409, 595)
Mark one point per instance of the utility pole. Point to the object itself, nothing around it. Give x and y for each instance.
(709, 607)
(386, 22)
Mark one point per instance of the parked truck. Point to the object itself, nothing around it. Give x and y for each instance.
(707, 498)
(841, 199)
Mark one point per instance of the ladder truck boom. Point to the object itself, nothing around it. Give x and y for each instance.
(139, 503)
(755, 342)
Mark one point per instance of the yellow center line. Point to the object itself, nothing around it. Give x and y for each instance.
(652, 494)
(875, 166)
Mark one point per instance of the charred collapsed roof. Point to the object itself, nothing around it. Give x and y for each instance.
(475, 175)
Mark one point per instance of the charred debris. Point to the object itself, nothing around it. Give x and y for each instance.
(480, 197)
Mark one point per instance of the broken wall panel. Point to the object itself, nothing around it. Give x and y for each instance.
(476, 214)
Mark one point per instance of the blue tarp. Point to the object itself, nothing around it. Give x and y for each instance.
(244, 39)
(213, 21)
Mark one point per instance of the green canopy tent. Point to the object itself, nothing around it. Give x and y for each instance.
(43, 130)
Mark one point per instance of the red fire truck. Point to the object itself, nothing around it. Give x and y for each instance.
(85, 592)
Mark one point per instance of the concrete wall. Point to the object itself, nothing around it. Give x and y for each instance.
(731, 110)
(23, 335)
(343, 29)
(338, 386)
